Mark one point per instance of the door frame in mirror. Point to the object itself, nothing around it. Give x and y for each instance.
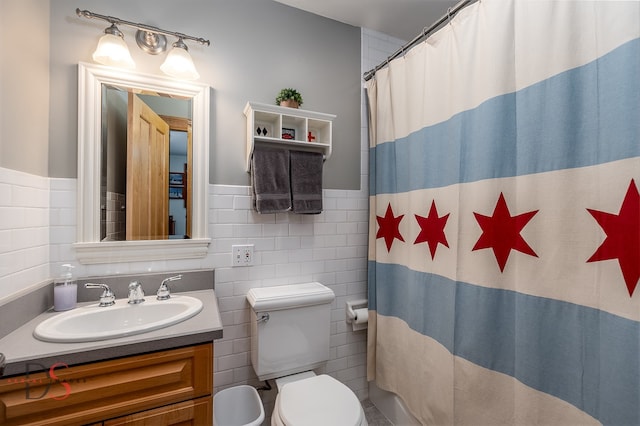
(89, 249)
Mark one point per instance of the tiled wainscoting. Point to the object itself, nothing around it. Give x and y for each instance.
(24, 231)
(330, 248)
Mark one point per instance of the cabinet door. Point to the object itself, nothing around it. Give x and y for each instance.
(93, 392)
(196, 412)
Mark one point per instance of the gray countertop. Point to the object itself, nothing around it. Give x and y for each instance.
(24, 353)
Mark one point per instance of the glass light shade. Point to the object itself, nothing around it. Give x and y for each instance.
(112, 50)
(179, 64)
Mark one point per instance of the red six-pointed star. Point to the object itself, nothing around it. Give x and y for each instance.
(389, 227)
(623, 237)
(432, 229)
(501, 232)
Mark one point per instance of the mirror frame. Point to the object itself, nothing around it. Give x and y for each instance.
(89, 248)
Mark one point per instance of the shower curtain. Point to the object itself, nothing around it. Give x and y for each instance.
(504, 240)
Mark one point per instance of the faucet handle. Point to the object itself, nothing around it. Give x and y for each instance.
(163, 292)
(107, 298)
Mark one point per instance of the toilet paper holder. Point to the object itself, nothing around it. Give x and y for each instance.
(352, 313)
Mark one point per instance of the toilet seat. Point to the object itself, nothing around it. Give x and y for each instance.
(319, 400)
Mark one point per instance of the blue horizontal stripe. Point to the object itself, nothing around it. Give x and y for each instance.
(586, 357)
(581, 117)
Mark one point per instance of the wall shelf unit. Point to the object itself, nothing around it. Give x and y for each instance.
(297, 129)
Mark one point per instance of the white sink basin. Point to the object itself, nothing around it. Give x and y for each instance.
(91, 323)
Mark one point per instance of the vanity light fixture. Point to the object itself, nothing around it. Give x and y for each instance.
(112, 50)
(179, 63)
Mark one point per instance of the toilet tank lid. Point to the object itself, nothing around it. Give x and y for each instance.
(289, 296)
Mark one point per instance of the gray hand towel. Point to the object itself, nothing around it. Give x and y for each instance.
(270, 180)
(306, 182)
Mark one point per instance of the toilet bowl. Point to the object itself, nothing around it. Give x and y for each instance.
(316, 400)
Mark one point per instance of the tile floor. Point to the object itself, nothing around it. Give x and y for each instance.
(374, 416)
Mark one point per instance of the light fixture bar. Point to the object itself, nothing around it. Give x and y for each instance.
(117, 21)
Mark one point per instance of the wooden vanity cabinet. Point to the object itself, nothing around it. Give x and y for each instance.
(160, 388)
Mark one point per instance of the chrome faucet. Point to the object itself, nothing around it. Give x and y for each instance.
(107, 298)
(136, 294)
(163, 292)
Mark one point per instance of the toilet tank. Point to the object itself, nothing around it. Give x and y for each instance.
(295, 337)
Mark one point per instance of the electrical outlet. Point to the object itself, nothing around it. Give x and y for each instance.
(242, 255)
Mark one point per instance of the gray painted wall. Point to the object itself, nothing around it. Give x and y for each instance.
(24, 85)
(258, 47)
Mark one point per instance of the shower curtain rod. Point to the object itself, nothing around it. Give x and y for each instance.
(451, 12)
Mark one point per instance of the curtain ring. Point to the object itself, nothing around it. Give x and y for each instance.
(449, 14)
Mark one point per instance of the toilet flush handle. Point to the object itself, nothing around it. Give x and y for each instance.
(264, 317)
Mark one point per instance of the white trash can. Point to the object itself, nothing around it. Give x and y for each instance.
(238, 406)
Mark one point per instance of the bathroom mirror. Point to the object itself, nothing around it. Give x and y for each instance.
(146, 159)
(183, 107)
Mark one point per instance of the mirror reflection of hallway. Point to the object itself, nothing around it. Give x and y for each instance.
(181, 160)
(178, 177)
(138, 157)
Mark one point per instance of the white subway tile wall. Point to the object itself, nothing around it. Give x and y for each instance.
(24, 232)
(291, 249)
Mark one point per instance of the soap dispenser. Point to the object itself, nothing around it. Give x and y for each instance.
(65, 290)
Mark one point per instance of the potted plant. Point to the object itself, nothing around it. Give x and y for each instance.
(289, 98)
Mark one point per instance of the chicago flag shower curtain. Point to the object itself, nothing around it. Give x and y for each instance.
(504, 255)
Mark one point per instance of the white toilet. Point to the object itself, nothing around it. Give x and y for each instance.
(290, 327)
